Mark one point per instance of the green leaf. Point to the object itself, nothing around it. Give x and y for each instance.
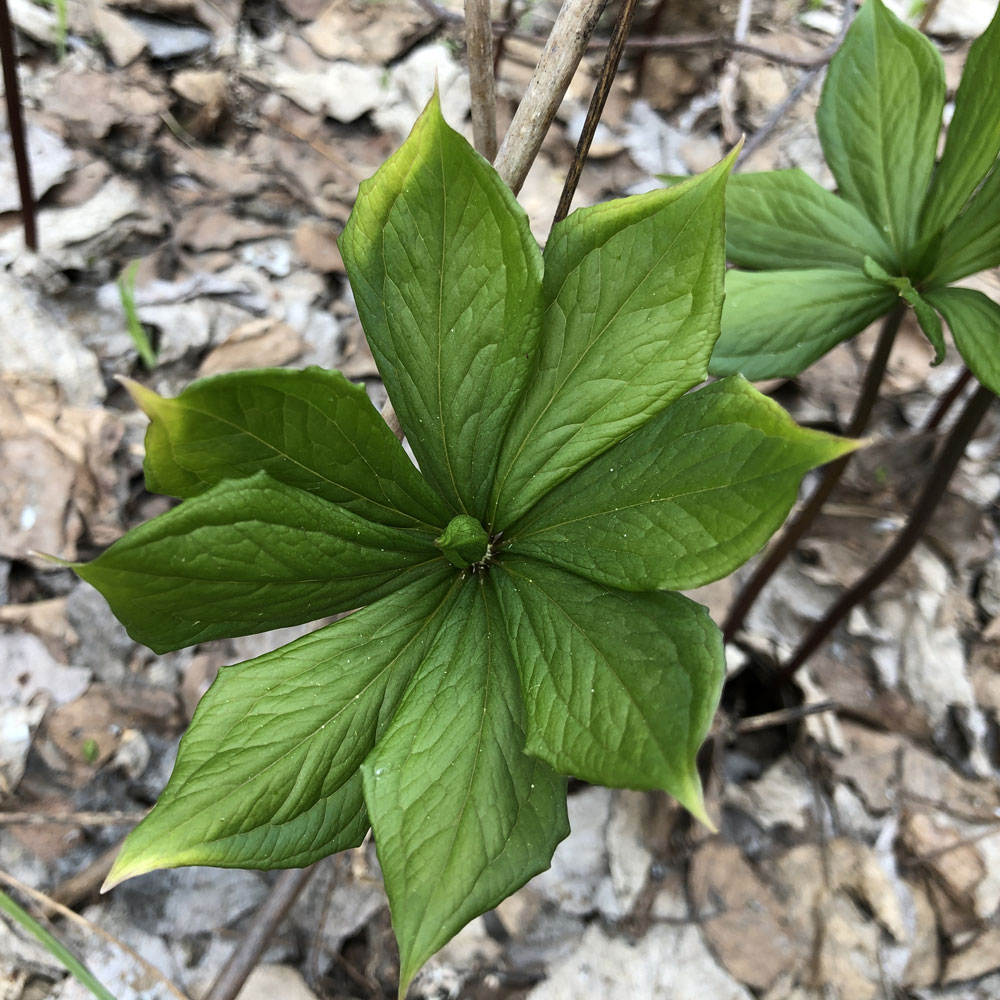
(775, 323)
(464, 541)
(685, 499)
(929, 322)
(879, 120)
(267, 774)
(245, 556)
(972, 242)
(784, 219)
(620, 688)
(310, 429)
(974, 321)
(461, 816)
(446, 275)
(973, 135)
(928, 319)
(632, 294)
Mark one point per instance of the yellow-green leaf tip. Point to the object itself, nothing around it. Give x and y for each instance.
(127, 866)
(692, 797)
(147, 400)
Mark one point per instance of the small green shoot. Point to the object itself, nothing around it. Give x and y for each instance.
(126, 290)
(53, 946)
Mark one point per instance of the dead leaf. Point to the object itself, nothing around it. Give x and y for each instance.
(56, 451)
(362, 34)
(28, 669)
(214, 228)
(742, 918)
(315, 244)
(976, 959)
(46, 619)
(262, 343)
(123, 42)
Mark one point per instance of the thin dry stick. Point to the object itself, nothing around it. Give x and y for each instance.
(90, 928)
(600, 97)
(781, 717)
(663, 43)
(934, 489)
(70, 819)
(388, 412)
(8, 56)
(764, 132)
(946, 402)
(479, 48)
(556, 65)
(87, 883)
(727, 82)
(798, 526)
(265, 921)
(502, 35)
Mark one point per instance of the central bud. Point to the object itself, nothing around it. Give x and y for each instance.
(464, 541)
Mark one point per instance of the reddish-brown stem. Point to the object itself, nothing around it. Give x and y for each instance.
(652, 27)
(597, 101)
(800, 524)
(265, 922)
(937, 481)
(8, 55)
(946, 402)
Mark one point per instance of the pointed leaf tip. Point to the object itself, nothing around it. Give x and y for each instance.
(145, 398)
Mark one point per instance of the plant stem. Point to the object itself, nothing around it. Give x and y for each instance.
(661, 43)
(934, 489)
(600, 97)
(946, 402)
(265, 921)
(8, 55)
(54, 947)
(563, 51)
(479, 47)
(798, 526)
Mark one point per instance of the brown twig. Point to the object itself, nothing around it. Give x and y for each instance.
(557, 63)
(8, 55)
(652, 27)
(663, 43)
(479, 51)
(935, 485)
(87, 884)
(946, 402)
(798, 526)
(91, 928)
(602, 89)
(781, 717)
(795, 94)
(389, 415)
(265, 921)
(502, 33)
(70, 819)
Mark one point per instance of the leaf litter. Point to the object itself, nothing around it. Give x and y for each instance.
(222, 148)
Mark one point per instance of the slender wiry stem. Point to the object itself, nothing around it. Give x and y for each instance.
(946, 402)
(795, 94)
(8, 55)
(798, 526)
(556, 65)
(507, 26)
(662, 43)
(265, 921)
(936, 483)
(600, 97)
(479, 47)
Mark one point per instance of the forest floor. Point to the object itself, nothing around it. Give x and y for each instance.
(220, 144)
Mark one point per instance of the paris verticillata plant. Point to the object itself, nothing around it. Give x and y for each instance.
(820, 267)
(518, 618)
